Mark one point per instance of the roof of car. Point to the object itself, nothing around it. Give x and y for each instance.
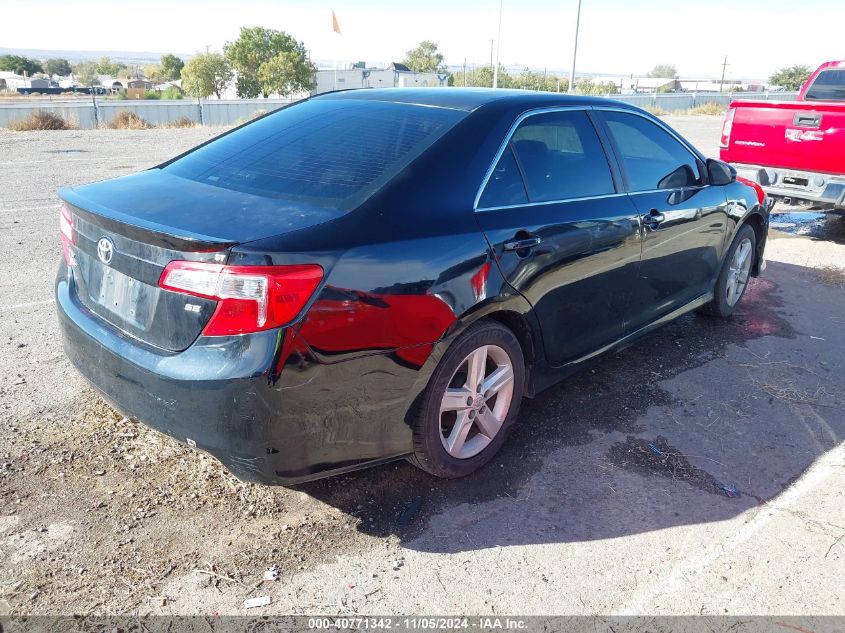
(467, 99)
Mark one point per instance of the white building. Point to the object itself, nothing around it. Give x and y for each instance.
(394, 76)
(111, 84)
(12, 81)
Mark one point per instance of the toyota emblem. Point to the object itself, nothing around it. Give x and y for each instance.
(105, 250)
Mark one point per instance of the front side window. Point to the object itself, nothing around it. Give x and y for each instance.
(561, 157)
(829, 85)
(651, 157)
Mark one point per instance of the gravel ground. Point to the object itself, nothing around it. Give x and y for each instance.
(614, 495)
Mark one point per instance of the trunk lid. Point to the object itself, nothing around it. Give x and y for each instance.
(807, 136)
(128, 229)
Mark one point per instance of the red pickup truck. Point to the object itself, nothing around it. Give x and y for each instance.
(794, 150)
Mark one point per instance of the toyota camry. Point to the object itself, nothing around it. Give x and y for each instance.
(374, 275)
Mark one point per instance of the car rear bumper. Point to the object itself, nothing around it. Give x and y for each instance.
(217, 396)
(823, 190)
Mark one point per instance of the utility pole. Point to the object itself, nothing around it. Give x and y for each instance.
(724, 65)
(575, 49)
(491, 54)
(498, 48)
(465, 72)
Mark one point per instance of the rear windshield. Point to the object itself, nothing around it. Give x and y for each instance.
(329, 152)
(829, 85)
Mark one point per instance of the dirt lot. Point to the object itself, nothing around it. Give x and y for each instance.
(699, 471)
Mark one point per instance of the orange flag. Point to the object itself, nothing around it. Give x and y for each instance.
(335, 25)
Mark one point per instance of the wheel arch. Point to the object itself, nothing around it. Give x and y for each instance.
(759, 223)
(522, 330)
(516, 314)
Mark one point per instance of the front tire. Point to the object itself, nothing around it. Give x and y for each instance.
(472, 399)
(735, 275)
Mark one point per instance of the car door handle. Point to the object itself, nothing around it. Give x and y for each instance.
(523, 244)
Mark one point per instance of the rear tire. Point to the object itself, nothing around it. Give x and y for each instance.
(472, 399)
(735, 275)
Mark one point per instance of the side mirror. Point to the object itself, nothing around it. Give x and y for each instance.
(720, 173)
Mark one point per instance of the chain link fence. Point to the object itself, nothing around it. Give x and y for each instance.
(87, 114)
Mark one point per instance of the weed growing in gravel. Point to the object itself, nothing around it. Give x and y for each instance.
(128, 120)
(707, 109)
(40, 120)
(182, 121)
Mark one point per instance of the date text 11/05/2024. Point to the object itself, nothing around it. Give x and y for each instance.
(484, 623)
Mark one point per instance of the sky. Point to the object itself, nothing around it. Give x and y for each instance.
(616, 37)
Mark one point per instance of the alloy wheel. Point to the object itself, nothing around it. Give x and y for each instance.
(476, 402)
(739, 272)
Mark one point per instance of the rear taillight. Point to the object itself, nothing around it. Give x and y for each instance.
(249, 298)
(66, 234)
(727, 126)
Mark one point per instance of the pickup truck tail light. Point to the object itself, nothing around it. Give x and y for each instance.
(727, 126)
(66, 234)
(249, 298)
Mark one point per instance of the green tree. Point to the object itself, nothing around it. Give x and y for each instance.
(284, 75)
(669, 71)
(85, 74)
(153, 72)
(589, 87)
(792, 77)
(530, 80)
(106, 67)
(171, 67)
(58, 66)
(482, 78)
(425, 58)
(171, 92)
(131, 72)
(258, 46)
(206, 74)
(20, 65)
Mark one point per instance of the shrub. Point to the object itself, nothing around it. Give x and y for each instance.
(40, 120)
(182, 121)
(655, 110)
(172, 92)
(716, 109)
(128, 120)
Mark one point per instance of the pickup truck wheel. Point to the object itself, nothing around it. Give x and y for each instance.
(735, 275)
(472, 399)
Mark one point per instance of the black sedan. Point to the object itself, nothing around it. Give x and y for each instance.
(381, 274)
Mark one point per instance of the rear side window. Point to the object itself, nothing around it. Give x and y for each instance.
(505, 187)
(561, 157)
(829, 85)
(333, 153)
(651, 157)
